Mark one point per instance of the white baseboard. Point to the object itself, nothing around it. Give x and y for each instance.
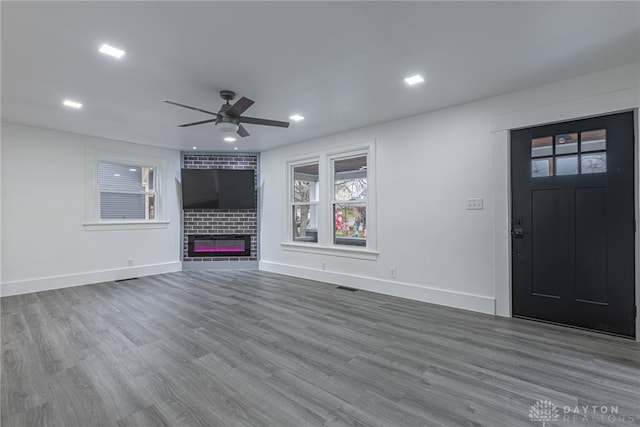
(444, 297)
(66, 281)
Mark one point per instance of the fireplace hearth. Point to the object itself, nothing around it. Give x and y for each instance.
(213, 245)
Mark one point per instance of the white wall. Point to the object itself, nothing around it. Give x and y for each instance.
(44, 242)
(427, 166)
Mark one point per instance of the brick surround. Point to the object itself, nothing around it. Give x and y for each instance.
(220, 221)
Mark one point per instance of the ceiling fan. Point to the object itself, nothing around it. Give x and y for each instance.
(229, 119)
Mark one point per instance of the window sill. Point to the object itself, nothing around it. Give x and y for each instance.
(124, 225)
(348, 252)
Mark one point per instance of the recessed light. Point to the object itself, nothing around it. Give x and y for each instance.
(111, 51)
(72, 104)
(116, 174)
(229, 139)
(296, 117)
(132, 170)
(235, 148)
(195, 148)
(414, 80)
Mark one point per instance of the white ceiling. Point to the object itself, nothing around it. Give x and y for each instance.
(340, 64)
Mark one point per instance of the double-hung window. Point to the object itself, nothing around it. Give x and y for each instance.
(349, 204)
(127, 191)
(305, 190)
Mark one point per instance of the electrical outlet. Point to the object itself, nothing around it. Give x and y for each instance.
(392, 272)
(474, 204)
(323, 266)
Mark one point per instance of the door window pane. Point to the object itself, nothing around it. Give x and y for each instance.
(594, 163)
(542, 167)
(594, 140)
(566, 144)
(541, 147)
(351, 223)
(567, 165)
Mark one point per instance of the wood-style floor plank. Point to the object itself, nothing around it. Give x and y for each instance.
(248, 348)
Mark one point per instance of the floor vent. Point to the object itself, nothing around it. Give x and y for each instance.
(126, 280)
(346, 288)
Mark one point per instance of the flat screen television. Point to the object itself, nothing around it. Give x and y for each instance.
(218, 189)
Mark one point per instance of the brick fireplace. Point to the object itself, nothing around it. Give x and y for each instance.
(218, 223)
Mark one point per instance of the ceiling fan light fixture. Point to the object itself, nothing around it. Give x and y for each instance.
(229, 138)
(296, 117)
(227, 127)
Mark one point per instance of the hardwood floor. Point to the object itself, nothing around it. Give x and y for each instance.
(260, 349)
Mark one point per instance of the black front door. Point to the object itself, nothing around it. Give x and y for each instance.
(573, 223)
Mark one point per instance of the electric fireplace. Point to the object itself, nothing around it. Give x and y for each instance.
(212, 245)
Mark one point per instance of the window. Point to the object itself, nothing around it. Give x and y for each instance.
(305, 202)
(127, 192)
(350, 201)
(330, 203)
(570, 154)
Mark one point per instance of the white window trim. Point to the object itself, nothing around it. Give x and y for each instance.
(92, 192)
(332, 158)
(124, 225)
(289, 199)
(325, 245)
(333, 250)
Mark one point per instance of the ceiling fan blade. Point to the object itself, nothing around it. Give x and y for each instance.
(254, 121)
(197, 123)
(191, 108)
(239, 107)
(242, 131)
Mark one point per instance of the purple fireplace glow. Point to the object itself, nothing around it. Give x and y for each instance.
(211, 245)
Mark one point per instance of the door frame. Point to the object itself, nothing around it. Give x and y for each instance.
(501, 126)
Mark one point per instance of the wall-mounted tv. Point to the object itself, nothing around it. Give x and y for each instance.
(218, 189)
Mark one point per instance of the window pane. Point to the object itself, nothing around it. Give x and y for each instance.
(542, 167)
(541, 147)
(122, 206)
(350, 224)
(119, 177)
(305, 226)
(594, 140)
(594, 163)
(148, 178)
(566, 144)
(350, 179)
(567, 165)
(150, 206)
(305, 183)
